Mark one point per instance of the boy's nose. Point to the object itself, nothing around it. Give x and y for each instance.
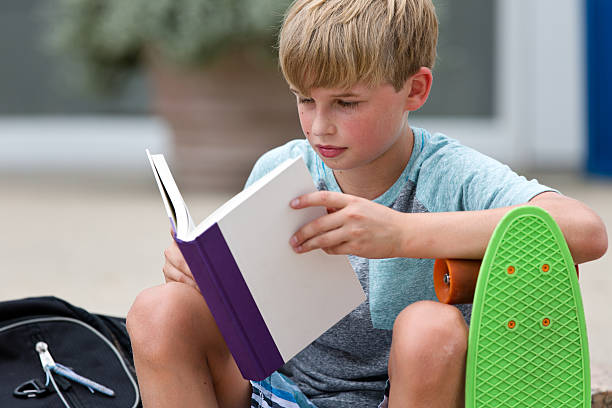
(321, 125)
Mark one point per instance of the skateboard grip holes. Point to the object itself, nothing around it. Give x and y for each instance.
(511, 325)
(545, 323)
(511, 269)
(545, 268)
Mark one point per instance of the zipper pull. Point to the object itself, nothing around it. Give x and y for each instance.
(50, 365)
(45, 357)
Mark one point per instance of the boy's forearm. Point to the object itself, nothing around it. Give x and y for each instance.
(582, 228)
(466, 234)
(462, 235)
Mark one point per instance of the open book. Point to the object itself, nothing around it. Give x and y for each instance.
(268, 301)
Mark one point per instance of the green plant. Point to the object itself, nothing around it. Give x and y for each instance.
(109, 39)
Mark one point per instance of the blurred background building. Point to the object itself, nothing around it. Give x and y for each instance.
(510, 81)
(81, 215)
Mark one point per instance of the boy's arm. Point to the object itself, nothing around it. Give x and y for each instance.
(361, 227)
(466, 234)
(582, 228)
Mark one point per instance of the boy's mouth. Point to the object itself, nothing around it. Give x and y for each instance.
(330, 151)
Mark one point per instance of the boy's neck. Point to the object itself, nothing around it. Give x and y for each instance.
(372, 180)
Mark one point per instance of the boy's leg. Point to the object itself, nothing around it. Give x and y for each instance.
(427, 360)
(180, 356)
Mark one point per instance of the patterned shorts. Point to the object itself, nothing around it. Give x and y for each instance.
(277, 391)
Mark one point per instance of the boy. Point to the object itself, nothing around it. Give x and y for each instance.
(397, 197)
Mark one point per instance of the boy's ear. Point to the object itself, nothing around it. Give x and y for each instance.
(417, 89)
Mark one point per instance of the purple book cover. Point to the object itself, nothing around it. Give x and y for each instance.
(231, 304)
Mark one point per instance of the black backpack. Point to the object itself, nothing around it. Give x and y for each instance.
(95, 347)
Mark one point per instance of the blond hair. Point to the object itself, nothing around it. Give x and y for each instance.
(339, 43)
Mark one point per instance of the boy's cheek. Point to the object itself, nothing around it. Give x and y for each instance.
(303, 116)
(305, 129)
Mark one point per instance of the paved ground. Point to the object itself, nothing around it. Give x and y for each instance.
(97, 242)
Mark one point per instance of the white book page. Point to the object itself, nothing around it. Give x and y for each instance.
(171, 196)
(239, 198)
(300, 296)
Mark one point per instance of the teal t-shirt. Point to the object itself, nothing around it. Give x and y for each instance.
(442, 175)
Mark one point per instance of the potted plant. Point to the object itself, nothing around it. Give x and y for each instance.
(212, 71)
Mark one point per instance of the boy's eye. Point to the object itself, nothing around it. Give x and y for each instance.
(305, 100)
(348, 104)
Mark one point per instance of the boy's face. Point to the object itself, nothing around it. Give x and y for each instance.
(355, 127)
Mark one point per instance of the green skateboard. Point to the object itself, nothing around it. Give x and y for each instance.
(527, 343)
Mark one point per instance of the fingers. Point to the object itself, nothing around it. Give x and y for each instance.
(342, 249)
(172, 274)
(328, 241)
(175, 257)
(175, 267)
(304, 239)
(329, 199)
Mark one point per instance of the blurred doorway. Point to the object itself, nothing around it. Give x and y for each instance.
(599, 44)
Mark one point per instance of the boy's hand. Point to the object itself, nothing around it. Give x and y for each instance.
(175, 268)
(353, 226)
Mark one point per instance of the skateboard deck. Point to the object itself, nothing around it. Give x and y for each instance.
(527, 343)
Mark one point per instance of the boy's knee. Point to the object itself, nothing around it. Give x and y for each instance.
(160, 314)
(149, 314)
(428, 353)
(429, 331)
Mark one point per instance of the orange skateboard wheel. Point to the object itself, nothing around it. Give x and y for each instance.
(455, 280)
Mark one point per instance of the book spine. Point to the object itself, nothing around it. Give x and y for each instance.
(231, 304)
